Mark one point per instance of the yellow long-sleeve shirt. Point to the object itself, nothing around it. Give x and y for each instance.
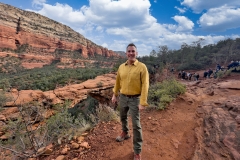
(132, 80)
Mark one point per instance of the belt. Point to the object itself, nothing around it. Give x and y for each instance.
(131, 96)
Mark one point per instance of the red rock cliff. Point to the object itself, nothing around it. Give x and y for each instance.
(41, 35)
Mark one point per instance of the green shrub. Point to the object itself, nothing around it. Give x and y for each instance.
(64, 124)
(191, 65)
(4, 99)
(161, 94)
(103, 113)
(4, 84)
(99, 84)
(31, 131)
(221, 74)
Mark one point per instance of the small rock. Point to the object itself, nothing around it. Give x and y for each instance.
(59, 140)
(40, 150)
(84, 134)
(48, 151)
(75, 145)
(85, 145)
(64, 150)
(3, 137)
(74, 137)
(80, 139)
(44, 150)
(3, 118)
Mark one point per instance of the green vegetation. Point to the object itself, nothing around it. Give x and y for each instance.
(161, 94)
(99, 84)
(4, 99)
(195, 56)
(10, 64)
(221, 74)
(64, 125)
(104, 113)
(48, 77)
(31, 130)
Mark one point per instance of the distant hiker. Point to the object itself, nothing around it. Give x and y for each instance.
(196, 76)
(205, 74)
(132, 82)
(180, 74)
(218, 67)
(190, 76)
(210, 71)
(172, 70)
(183, 75)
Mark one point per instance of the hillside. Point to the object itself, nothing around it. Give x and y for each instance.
(37, 40)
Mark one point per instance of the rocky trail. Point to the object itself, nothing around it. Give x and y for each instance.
(204, 123)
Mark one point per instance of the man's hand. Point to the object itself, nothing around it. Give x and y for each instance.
(140, 107)
(114, 99)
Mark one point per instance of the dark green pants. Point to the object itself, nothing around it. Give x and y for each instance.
(131, 104)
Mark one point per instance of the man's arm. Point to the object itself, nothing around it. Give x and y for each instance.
(145, 86)
(116, 88)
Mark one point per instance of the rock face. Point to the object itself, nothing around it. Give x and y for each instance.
(30, 33)
(99, 88)
(218, 133)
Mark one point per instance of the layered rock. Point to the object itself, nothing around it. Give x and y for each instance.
(99, 88)
(218, 132)
(76, 92)
(35, 34)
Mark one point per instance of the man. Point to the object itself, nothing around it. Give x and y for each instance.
(132, 82)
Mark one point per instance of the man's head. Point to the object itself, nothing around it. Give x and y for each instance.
(131, 53)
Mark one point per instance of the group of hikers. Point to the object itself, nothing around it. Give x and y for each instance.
(207, 73)
(188, 76)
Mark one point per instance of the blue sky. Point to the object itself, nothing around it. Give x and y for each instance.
(147, 23)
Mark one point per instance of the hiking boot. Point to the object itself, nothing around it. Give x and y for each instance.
(137, 157)
(122, 137)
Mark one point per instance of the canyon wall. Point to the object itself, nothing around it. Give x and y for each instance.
(35, 34)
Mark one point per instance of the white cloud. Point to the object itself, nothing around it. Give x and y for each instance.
(181, 10)
(199, 5)
(99, 29)
(220, 19)
(63, 13)
(38, 3)
(122, 13)
(185, 25)
(105, 45)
